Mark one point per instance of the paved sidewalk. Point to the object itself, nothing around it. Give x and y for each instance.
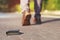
(48, 30)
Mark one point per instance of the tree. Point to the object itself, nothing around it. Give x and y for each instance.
(51, 5)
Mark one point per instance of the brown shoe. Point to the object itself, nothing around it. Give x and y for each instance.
(27, 20)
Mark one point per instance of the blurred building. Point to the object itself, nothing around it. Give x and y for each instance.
(12, 4)
(8, 5)
(3, 5)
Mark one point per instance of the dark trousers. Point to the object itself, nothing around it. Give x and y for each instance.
(37, 8)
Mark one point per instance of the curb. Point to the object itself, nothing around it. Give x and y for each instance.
(49, 16)
(51, 13)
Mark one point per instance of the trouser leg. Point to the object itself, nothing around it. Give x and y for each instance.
(37, 8)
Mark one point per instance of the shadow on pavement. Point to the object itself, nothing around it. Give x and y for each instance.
(57, 19)
(48, 21)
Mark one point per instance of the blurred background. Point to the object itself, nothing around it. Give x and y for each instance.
(14, 5)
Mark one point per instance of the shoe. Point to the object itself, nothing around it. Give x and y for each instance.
(37, 19)
(27, 20)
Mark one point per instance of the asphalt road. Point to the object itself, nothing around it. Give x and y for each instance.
(48, 30)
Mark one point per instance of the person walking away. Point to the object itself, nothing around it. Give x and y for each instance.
(26, 12)
(37, 8)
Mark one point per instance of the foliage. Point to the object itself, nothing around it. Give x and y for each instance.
(47, 5)
(52, 5)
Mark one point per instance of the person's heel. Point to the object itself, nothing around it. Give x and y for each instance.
(27, 20)
(37, 19)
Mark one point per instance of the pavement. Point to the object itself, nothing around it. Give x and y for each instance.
(48, 30)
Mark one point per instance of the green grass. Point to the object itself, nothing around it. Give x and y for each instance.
(32, 6)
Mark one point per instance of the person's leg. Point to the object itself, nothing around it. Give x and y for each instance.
(26, 12)
(37, 8)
